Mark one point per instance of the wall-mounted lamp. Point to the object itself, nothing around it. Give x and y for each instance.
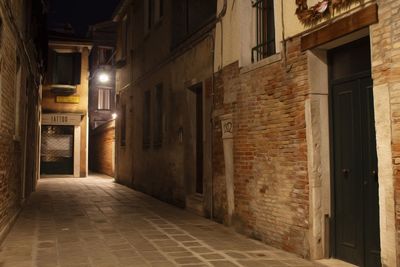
(104, 77)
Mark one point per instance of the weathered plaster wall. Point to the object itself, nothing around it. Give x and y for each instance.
(165, 171)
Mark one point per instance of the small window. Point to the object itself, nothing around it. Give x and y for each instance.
(189, 16)
(265, 30)
(125, 37)
(66, 68)
(104, 56)
(149, 15)
(104, 98)
(159, 10)
(17, 110)
(1, 33)
(158, 117)
(146, 119)
(123, 125)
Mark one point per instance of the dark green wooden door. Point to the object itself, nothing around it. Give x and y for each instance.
(355, 181)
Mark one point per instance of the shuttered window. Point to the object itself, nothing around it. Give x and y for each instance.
(158, 116)
(66, 68)
(146, 119)
(123, 125)
(125, 37)
(104, 99)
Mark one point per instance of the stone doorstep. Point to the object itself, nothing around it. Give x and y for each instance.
(195, 204)
(333, 263)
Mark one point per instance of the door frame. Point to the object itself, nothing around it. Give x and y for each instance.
(69, 119)
(333, 217)
(192, 98)
(331, 83)
(318, 154)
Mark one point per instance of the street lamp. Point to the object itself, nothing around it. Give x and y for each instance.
(104, 77)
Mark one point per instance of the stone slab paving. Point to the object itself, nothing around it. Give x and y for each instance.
(98, 223)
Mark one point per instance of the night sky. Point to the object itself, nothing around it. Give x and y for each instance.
(80, 13)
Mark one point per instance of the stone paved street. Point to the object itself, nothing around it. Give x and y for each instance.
(96, 222)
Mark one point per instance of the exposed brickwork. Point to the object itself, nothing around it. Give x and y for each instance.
(271, 182)
(9, 151)
(385, 40)
(102, 149)
(18, 141)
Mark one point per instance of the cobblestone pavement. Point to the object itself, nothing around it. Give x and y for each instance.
(96, 222)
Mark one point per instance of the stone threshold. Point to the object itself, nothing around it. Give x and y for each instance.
(333, 263)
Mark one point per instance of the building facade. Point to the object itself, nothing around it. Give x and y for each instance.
(164, 75)
(23, 52)
(102, 92)
(278, 118)
(102, 98)
(64, 134)
(102, 149)
(311, 109)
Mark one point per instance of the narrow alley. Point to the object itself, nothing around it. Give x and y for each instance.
(96, 222)
(199, 133)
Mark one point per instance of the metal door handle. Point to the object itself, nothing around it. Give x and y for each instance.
(345, 172)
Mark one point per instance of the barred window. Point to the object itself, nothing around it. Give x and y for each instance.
(265, 30)
(104, 99)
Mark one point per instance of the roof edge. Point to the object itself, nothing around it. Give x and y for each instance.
(119, 9)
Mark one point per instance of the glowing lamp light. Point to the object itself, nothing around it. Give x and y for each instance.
(104, 77)
(114, 116)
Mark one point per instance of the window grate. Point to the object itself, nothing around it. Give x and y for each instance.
(265, 30)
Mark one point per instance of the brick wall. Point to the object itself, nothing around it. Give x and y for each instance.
(16, 145)
(270, 150)
(385, 41)
(101, 143)
(10, 151)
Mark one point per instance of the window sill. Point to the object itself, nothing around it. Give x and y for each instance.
(16, 138)
(264, 62)
(120, 63)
